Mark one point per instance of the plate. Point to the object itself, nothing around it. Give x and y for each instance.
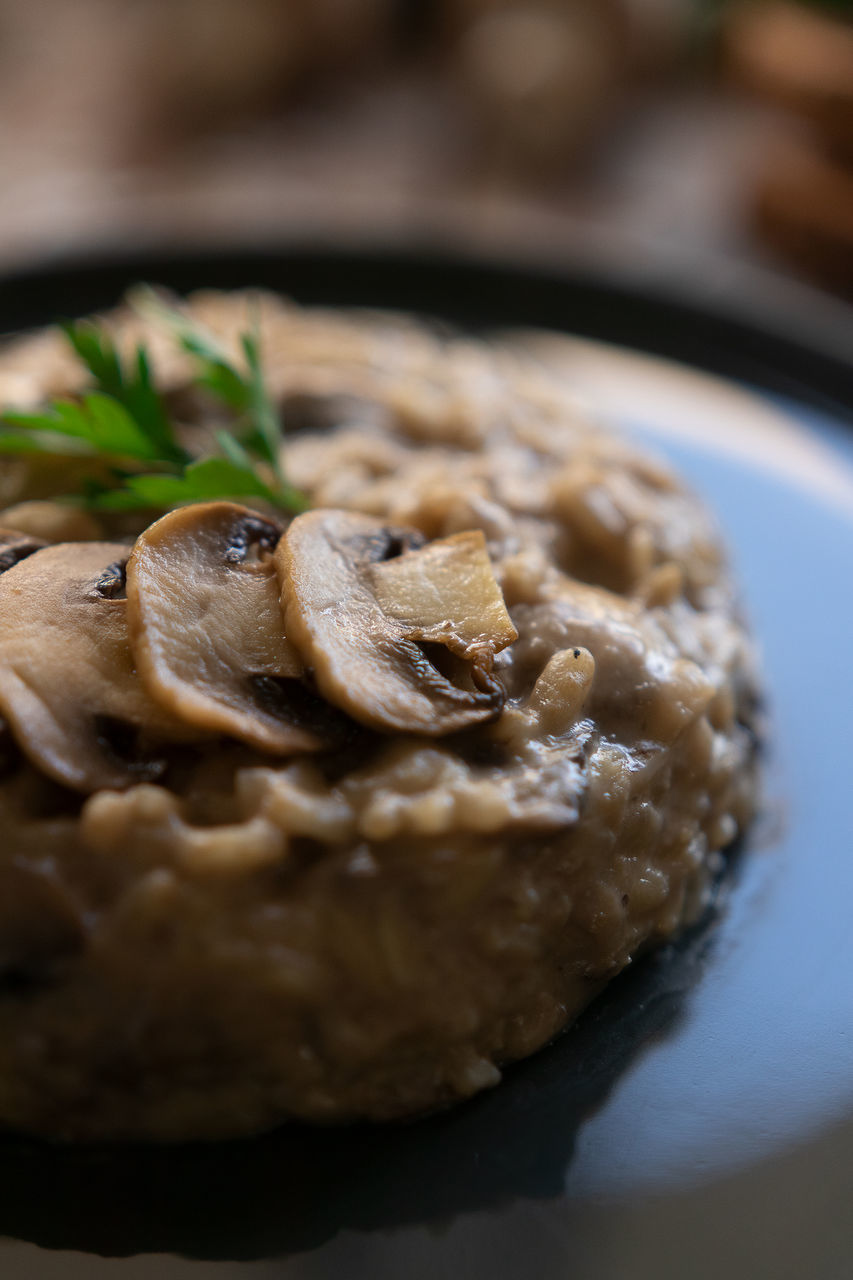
(698, 1119)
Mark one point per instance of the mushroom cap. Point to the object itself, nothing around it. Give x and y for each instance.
(67, 679)
(446, 593)
(371, 616)
(206, 627)
(15, 546)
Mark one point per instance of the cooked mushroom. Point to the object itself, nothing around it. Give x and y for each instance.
(68, 688)
(206, 627)
(368, 613)
(15, 546)
(447, 593)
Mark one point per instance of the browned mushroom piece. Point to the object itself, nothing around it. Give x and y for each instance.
(68, 688)
(446, 593)
(206, 627)
(15, 546)
(400, 638)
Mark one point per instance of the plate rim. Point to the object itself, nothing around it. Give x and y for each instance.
(781, 350)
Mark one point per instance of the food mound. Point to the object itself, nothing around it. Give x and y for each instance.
(333, 815)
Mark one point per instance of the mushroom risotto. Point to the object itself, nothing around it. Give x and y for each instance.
(333, 814)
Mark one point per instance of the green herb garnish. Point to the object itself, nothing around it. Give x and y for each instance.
(123, 424)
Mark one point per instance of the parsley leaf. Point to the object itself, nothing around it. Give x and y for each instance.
(265, 419)
(124, 422)
(131, 388)
(99, 421)
(246, 393)
(201, 481)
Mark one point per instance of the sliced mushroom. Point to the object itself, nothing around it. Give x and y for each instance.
(68, 688)
(368, 612)
(447, 594)
(206, 627)
(15, 546)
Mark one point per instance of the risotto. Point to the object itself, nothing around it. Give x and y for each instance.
(333, 817)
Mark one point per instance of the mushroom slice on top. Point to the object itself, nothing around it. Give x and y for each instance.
(447, 594)
(206, 627)
(15, 546)
(68, 688)
(402, 639)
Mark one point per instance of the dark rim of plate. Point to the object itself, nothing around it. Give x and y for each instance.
(784, 350)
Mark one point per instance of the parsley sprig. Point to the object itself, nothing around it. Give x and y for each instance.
(123, 423)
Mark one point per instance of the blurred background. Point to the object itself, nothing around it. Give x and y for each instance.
(706, 139)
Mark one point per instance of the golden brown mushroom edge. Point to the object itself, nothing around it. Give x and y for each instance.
(333, 817)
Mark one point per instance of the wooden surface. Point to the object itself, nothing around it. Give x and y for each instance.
(666, 197)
